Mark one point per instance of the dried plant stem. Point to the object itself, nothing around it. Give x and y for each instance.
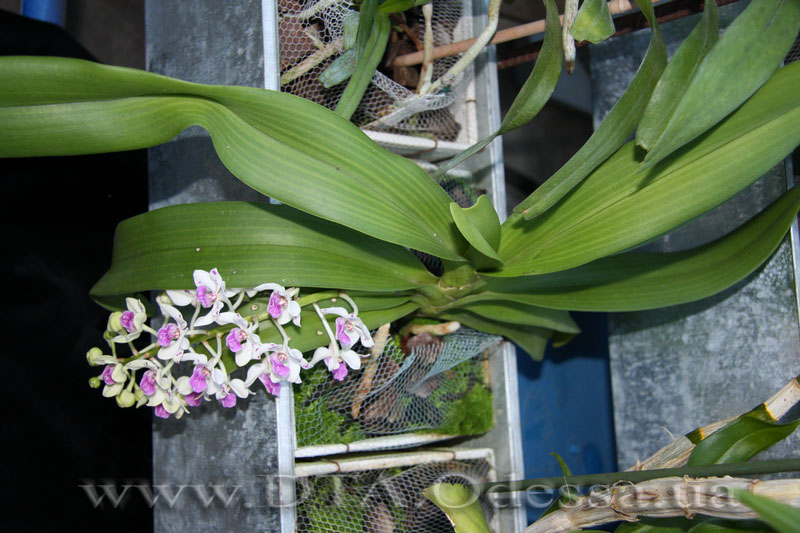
(426, 73)
(664, 497)
(443, 328)
(568, 42)
(365, 385)
(330, 49)
(472, 52)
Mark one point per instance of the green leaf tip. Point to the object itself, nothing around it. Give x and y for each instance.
(461, 505)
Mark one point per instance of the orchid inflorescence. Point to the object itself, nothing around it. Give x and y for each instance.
(178, 341)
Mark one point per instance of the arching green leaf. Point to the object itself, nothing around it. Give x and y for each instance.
(612, 132)
(675, 80)
(461, 505)
(636, 280)
(617, 208)
(749, 51)
(252, 244)
(275, 142)
(525, 315)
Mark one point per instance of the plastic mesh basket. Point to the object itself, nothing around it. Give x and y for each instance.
(310, 33)
(441, 385)
(385, 499)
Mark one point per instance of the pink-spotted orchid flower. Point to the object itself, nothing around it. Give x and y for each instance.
(210, 294)
(227, 390)
(172, 337)
(243, 339)
(349, 328)
(283, 306)
(337, 360)
(129, 323)
(114, 377)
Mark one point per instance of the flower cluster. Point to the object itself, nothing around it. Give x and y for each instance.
(216, 332)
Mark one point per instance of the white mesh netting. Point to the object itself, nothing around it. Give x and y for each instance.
(383, 501)
(430, 383)
(310, 33)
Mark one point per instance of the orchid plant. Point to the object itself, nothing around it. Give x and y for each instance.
(340, 247)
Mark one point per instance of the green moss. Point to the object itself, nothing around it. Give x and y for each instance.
(315, 423)
(471, 415)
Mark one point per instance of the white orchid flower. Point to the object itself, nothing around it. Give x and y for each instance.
(131, 321)
(349, 328)
(243, 340)
(210, 294)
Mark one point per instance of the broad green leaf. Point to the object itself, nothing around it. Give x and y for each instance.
(593, 22)
(617, 208)
(675, 79)
(612, 132)
(531, 339)
(398, 6)
(739, 440)
(637, 280)
(748, 52)
(461, 505)
(526, 315)
(276, 143)
(368, 57)
(480, 226)
(372, 302)
(339, 70)
(534, 93)
(784, 518)
(251, 244)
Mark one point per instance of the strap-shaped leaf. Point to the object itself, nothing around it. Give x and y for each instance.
(784, 518)
(739, 441)
(635, 281)
(617, 208)
(368, 56)
(593, 22)
(276, 143)
(533, 340)
(252, 244)
(675, 80)
(749, 51)
(480, 226)
(612, 132)
(525, 315)
(534, 93)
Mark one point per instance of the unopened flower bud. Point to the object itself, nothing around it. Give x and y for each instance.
(115, 322)
(138, 393)
(163, 298)
(95, 382)
(126, 398)
(92, 355)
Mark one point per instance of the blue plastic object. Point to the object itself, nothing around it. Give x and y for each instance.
(51, 11)
(565, 406)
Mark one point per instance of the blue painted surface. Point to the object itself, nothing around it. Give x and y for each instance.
(51, 11)
(565, 406)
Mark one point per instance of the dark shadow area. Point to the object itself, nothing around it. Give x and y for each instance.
(57, 228)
